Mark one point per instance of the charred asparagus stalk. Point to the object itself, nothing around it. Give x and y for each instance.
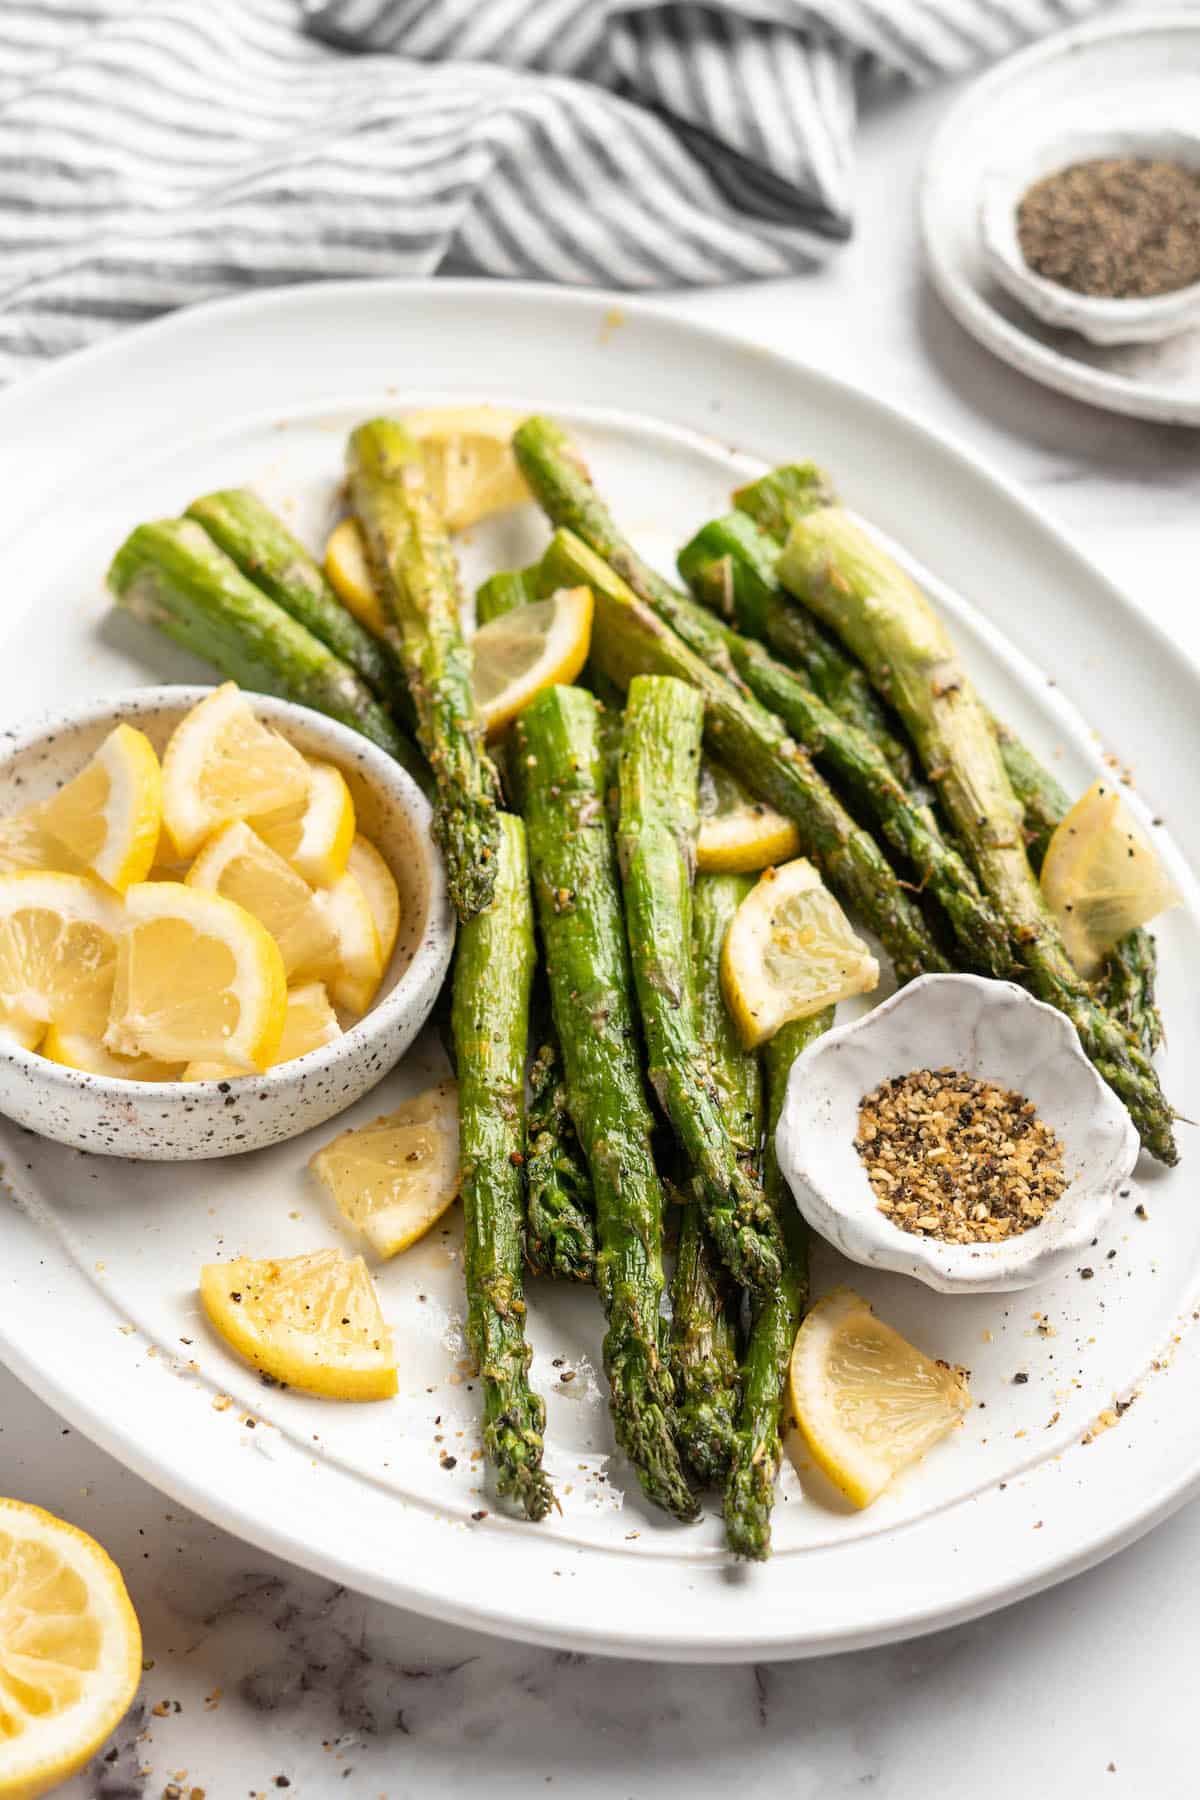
(493, 972)
(560, 1237)
(170, 574)
(656, 846)
(414, 569)
(703, 1328)
(757, 1441)
(887, 622)
(587, 962)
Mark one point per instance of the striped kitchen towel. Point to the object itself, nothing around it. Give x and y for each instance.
(156, 152)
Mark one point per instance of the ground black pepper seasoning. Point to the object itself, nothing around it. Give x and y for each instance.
(1120, 227)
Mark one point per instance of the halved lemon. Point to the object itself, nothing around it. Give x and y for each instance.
(382, 895)
(350, 576)
(197, 978)
(25, 843)
(58, 954)
(223, 764)
(310, 1022)
(74, 1051)
(789, 951)
(70, 1650)
(314, 834)
(1101, 878)
(355, 968)
(867, 1402)
(739, 834)
(527, 649)
(395, 1178)
(310, 1321)
(109, 815)
(235, 862)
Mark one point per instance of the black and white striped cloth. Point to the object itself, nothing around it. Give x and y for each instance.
(156, 152)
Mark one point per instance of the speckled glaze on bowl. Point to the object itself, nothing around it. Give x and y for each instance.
(177, 1121)
(995, 1031)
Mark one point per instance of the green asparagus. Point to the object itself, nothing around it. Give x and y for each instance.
(887, 622)
(501, 592)
(703, 1328)
(414, 569)
(656, 847)
(775, 500)
(169, 573)
(587, 962)
(493, 972)
(757, 1442)
(560, 1237)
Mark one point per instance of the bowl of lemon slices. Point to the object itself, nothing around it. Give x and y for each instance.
(223, 918)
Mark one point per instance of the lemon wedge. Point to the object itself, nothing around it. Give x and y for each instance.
(58, 954)
(74, 1051)
(1100, 877)
(350, 576)
(25, 843)
(379, 888)
(70, 1650)
(527, 649)
(789, 951)
(109, 815)
(470, 469)
(197, 978)
(311, 1321)
(395, 1178)
(310, 1021)
(867, 1402)
(235, 862)
(222, 764)
(355, 969)
(739, 834)
(314, 834)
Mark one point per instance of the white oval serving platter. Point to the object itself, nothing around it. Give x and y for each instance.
(98, 1261)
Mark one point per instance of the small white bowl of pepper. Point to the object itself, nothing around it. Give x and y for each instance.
(1099, 233)
(957, 1134)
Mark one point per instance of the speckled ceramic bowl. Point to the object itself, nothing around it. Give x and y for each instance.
(996, 1032)
(177, 1121)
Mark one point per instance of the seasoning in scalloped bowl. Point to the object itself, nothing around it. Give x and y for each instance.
(951, 1157)
(1114, 227)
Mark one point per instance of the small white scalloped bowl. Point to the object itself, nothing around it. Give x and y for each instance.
(1100, 320)
(151, 1121)
(997, 1032)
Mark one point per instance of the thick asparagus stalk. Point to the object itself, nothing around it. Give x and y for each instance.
(501, 592)
(885, 620)
(170, 574)
(269, 555)
(560, 1238)
(703, 1326)
(783, 495)
(587, 962)
(415, 572)
(757, 1442)
(628, 639)
(493, 972)
(656, 847)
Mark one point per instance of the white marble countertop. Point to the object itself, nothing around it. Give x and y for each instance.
(261, 1679)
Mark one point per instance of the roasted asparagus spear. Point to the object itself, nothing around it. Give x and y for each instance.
(414, 569)
(560, 1236)
(560, 778)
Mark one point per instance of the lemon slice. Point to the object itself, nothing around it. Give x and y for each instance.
(527, 649)
(382, 895)
(314, 834)
(470, 469)
(197, 978)
(739, 834)
(236, 863)
(788, 952)
(866, 1400)
(350, 576)
(76, 1052)
(355, 969)
(58, 954)
(222, 764)
(311, 1321)
(109, 815)
(1101, 878)
(395, 1178)
(25, 843)
(70, 1650)
(310, 1021)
